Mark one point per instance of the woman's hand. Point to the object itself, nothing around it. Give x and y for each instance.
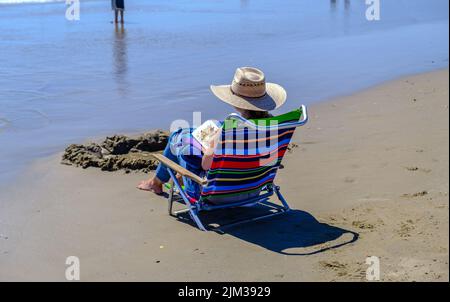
(210, 146)
(208, 150)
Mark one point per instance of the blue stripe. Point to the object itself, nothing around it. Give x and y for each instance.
(234, 150)
(220, 188)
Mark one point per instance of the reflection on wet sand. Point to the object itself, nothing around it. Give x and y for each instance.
(334, 8)
(333, 4)
(120, 59)
(244, 3)
(347, 4)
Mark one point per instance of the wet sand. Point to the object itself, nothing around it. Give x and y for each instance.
(373, 164)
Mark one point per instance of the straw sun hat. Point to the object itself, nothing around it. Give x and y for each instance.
(250, 91)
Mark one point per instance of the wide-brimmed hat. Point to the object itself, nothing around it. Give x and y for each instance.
(250, 91)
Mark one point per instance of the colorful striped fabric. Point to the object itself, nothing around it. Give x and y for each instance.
(246, 160)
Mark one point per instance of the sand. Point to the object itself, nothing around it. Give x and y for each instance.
(369, 177)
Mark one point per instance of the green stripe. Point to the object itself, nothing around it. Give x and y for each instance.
(231, 194)
(169, 186)
(293, 115)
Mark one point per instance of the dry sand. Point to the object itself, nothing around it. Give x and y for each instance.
(374, 163)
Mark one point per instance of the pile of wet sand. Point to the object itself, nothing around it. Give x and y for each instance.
(118, 152)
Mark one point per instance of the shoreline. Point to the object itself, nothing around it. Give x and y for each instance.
(147, 67)
(120, 233)
(101, 135)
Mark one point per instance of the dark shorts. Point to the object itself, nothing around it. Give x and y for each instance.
(118, 4)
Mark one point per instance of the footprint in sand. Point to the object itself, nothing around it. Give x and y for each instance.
(341, 269)
(334, 265)
(349, 180)
(363, 225)
(414, 169)
(406, 228)
(291, 147)
(413, 195)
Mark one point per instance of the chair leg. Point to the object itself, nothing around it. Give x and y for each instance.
(281, 198)
(194, 216)
(192, 211)
(279, 211)
(170, 199)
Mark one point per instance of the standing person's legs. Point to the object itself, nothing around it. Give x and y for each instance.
(121, 16)
(116, 16)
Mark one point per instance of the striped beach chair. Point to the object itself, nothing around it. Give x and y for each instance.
(244, 167)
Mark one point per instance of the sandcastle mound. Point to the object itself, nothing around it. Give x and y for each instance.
(118, 152)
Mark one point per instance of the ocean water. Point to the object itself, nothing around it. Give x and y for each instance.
(66, 81)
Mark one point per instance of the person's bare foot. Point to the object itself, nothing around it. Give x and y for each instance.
(151, 185)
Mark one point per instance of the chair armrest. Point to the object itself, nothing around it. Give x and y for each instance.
(179, 169)
(252, 125)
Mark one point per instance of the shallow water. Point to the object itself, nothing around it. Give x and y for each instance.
(62, 82)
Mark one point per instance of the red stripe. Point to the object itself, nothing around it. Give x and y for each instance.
(192, 200)
(258, 162)
(218, 156)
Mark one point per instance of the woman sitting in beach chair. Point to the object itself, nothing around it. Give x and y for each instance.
(250, 95)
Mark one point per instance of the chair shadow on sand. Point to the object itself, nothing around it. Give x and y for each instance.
(293, 233)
